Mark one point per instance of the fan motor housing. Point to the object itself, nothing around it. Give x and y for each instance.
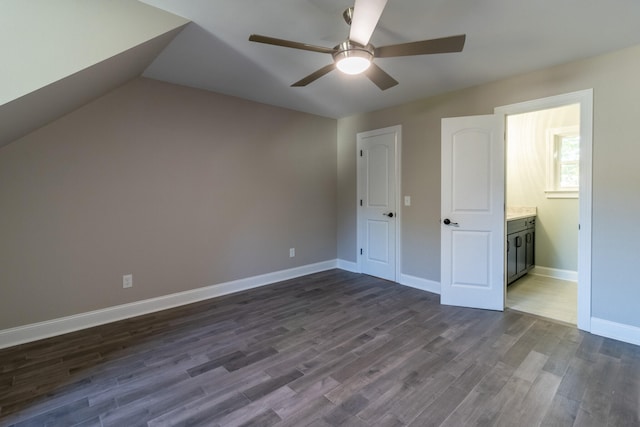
(352, 58)
(349, 49)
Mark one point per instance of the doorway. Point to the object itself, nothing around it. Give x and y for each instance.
(542, 180)
(583, 101)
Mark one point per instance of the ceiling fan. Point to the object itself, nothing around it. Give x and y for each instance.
(355, 55)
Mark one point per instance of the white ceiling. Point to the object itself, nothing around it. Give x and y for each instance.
(49, 102)
(44, 41)
(504, 38)
(58, 56)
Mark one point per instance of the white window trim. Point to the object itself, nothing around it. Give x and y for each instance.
(562, 194)
(552, 192)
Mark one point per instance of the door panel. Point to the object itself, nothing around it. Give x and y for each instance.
(471, 260)
(530, 239)
(512, 271)
(378, 240)
(471, 150)
(472, 209)
(377, 180)
(521, 259)
(377, 202)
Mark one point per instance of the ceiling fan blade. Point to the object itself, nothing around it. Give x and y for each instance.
(381, 79)
(366, 14)
(424, 47)
(314, 76)
(289, 43)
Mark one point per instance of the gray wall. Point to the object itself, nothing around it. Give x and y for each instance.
(180, 187)
(185, 188)
(616, 176)
(557, 221)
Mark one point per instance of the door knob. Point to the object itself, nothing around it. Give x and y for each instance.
(447, 221)
(389, 214)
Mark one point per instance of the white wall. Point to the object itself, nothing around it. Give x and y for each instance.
(557, 221)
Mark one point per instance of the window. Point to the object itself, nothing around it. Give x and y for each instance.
(563, 166)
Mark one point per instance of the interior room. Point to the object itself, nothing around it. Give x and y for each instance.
(204, 221)
(547, 284)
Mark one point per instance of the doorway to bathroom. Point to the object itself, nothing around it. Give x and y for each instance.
(542, 194)
(548, 212)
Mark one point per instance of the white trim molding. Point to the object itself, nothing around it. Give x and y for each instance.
(585, 99)
(555, 138)
(63, 325)
(348, 266)
(420, 283)
(555, 273)
(617, 331)
(562, 194)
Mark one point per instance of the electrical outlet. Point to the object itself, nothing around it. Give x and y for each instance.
(292, 252)
(127, 280)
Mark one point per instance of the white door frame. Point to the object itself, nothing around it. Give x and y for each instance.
(397, 129)
(585, 99)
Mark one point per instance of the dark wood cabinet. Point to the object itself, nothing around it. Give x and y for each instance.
(520, 247)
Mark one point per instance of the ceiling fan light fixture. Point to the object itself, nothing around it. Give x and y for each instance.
(352, 59)
(353, 65)
(356, 54)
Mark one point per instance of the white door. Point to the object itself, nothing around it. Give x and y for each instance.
(472, 212)
(378, 221)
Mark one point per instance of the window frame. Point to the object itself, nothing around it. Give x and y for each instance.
(554, 164)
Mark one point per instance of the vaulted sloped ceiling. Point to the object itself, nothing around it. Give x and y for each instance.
(59, 55)
(504, 38)
(56, 55)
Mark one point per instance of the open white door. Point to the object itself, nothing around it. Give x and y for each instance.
(472, 212)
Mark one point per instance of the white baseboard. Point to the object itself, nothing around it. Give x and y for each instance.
(556, 273)
(616, 331)
(63, 325)
(348, 266)
(420, 283)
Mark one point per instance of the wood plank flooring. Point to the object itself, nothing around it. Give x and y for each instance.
(329, 349)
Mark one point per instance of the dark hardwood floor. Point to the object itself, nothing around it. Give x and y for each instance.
(329, 349)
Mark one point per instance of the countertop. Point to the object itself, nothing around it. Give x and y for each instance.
(519, 212)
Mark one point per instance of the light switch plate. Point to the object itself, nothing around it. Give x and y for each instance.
(407, 200)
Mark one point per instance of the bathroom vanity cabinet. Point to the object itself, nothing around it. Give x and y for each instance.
(520, 247)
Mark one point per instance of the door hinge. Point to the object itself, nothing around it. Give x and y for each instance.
(360, 153)
(360, 202)
(360, 251)
(578, 226)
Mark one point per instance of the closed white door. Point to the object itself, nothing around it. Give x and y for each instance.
(378, 220)
(472, 212)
